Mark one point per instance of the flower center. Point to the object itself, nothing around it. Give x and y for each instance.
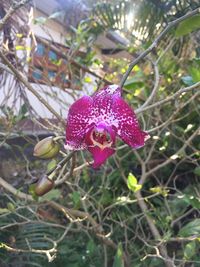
(101, 138)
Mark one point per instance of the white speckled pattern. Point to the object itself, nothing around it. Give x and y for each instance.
(106, 107)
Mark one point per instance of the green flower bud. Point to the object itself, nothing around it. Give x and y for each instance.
(44, 185)
(46, 148)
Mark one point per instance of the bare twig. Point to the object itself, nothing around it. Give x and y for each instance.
(22, 79)
(155, 88)
(14, 7)
(47, 252)
(169, 98)
(97, 228)
(156, 41)
(154, 230)
(14, 191)
(170, 159)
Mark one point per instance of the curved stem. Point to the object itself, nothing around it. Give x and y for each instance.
(155, 43)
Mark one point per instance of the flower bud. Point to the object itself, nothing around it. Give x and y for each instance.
(44, 185)
(46, 148)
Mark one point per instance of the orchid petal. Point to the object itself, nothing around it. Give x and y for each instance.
(102, 105)
(128, 127)
(78, 122)
(109, 90)
(100, 156)
(98, 146)
(100, 128)
(94, 122)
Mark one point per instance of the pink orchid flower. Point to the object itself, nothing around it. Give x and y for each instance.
(95, 121)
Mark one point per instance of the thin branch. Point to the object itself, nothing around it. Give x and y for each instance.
(156, 41)
(14, 7)
(8, 187)
(155, 88)
(162, 249)
(22, 78)
(67, 175)
(14, 191)
(181, 239)
(181, 217)
(171, 118)
(5, 68)
(81, 215)
(47, 252)
(170, 159)
(169, 98)
(61, 163)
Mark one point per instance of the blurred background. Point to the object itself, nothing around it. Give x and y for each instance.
(62, 50)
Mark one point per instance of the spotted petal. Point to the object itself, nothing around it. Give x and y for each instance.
(93, 123)
(100, 156)
(98, 146)
(78, 123)
(102, 105)
(128, 127)
(109, 90)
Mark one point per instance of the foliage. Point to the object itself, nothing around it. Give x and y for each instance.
(188, 26)
(105, 217)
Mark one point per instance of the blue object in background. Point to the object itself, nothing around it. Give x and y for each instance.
(51, 75)
(40, 50)
(52, 55)
(37, 74)
(63, 78)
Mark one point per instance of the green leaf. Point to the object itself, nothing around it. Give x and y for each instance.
(160, 190)
(190, 229)
(132, 183)
(190, 250)
(197, 171)
(40, 20)
(24, 109)
(76, 198)
(195, 73)
(10, 206)
(53, 194)
(3, 210)
(118, 259)
(188, 25)
(90, 247)
(192, 200)
(134, 83)
(31, 191)
(106, 197)
(22, 113)
(88, 79)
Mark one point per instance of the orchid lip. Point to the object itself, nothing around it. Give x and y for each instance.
(102, 147)
(101, 137)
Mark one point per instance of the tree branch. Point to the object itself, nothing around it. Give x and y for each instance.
(169, 98)
(14, 191)
(154, 230)
(22, 78)
(155, 43)
(14, 7)
(155, 88)
(170, 159)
